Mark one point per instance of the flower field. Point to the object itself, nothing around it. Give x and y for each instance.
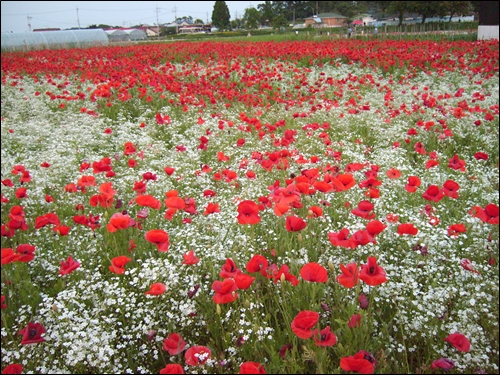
(251, 207)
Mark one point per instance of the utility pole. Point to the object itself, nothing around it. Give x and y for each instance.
(157, 22)
(77, 18)
(29, 24)
(176, 23)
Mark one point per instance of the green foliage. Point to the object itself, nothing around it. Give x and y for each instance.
(221, 16)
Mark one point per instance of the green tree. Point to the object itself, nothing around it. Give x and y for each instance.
(456, 7)
(426, 8)
(221, 16)
(400, 8)
(266, 13)
(251, 18)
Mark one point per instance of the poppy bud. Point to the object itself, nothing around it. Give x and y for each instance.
(325, 307)
(299, 237)
(282, 278)
(151, 335)
(219, 311)
(331, 266)
(363, 301)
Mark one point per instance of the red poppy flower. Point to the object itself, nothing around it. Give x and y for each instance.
(375, 227)
(172, 368)
(341, 239)
(9, 255)
(364, 210)
(252, 368)
(190, 258)
(229, 269)
(349, 275)
(362, 237)
(197, 355)
(431, 163)
(85, 181)
(119, 221)
(248, 212)
(442, 363)
(149, 176)
(370, 183)
(148, 201)
(467, 265)
(169, 170)
(314, 272)
(8, 182)
(459, 341)
(175, 202)
(68, 266)
(455, 229)
(354, 321)
(420, 148)
(174, 344)
(303, 322)
(118, 264)
(371, 273)
(243, 281)
(283, 274)
(281, 208)
(211, 208)
(295, 223)
(14, 368)
(158, 237)
(257, 263)
(481, 155)
(393, 173)
(456, 163)
(225, 291)
(314, 211)
(413, 184)
(344, 182)
(433, 193)
(489, 214)
(156, 289)
(450, 189)
(409, 229)
(50, 218)
(357, 363)
(325, 337)
(32, 334)
(26, 252)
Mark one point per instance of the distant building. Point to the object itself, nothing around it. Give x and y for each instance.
(151, 31)
(326, 20)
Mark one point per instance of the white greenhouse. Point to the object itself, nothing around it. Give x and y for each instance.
(54, 39)
(116, 35)
(136, 34)
(122, 35)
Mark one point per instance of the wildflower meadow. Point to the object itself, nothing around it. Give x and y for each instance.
(251, 207)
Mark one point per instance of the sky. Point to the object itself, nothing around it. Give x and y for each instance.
(17, 15)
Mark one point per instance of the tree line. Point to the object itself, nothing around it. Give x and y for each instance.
(279, 14)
